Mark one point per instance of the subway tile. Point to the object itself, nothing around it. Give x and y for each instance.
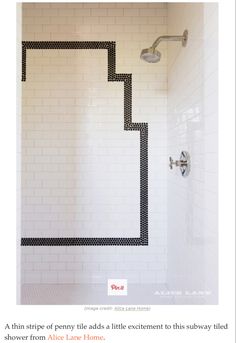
(76, 266)
(91, 5)
(82, 12)
(131, 12)
(49, 277)
(40, 5)
(99, 28)
(162, 12)
(66, 12)
(66, 277)
(49, 12)
(31, 277)
(28, 5)
(62, 106)
(192, 125)
(31, 12)
(107, 20)
(98, 12)
(115, 12)
(107, 5)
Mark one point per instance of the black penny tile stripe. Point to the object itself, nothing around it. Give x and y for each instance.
(128, 125)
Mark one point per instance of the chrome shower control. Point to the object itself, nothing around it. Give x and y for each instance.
(183, 163)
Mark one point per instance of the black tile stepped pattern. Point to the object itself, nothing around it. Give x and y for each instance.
(128, 125)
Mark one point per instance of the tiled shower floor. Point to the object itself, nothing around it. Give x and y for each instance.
(82, 294)
(96, 294)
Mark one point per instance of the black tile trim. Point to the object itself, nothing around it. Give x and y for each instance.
(128, 126)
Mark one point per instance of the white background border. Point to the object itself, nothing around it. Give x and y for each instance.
(224, 312)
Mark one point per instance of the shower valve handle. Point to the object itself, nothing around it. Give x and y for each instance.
(177, 163)
(171, 162)
(183, 163)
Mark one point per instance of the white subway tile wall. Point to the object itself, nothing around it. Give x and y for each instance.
(70, 113)
(192, 123)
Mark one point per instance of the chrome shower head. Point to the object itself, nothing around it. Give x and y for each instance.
(150, 55)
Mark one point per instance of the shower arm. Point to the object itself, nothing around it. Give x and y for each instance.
(182, 38)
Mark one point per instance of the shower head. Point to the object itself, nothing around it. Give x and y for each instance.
(151, 55)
